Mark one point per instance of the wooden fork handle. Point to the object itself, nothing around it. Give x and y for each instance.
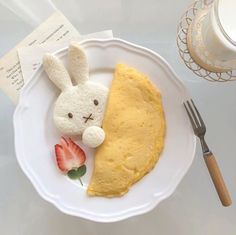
(217, 179)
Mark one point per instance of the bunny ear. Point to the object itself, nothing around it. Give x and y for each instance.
(56, 71)
(78, 64)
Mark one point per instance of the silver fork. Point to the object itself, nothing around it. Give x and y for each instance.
(199, 129)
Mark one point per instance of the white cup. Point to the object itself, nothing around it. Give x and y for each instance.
(212, 36)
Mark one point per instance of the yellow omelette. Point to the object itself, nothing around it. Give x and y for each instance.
(134, 124)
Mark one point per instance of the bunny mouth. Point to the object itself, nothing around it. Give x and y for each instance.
(86, 119)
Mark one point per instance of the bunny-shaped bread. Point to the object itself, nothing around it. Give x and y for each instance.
(79, 109)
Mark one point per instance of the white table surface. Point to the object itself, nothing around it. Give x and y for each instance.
(194, 208)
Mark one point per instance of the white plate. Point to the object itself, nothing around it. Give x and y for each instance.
(35, 136)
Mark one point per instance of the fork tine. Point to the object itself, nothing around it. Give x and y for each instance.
(193, 114)
(190, 117)
(199, 116)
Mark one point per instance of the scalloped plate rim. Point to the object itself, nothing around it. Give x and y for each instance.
(52, 199)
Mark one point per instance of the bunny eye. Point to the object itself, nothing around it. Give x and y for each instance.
(95, 102)
(70, 115)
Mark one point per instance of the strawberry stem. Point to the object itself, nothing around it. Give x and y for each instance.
(81, 181)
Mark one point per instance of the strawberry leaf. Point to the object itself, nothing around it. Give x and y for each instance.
(81, 171)
(73, 174)
(81, 182)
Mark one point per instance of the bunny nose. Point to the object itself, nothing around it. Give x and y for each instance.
(88, 118)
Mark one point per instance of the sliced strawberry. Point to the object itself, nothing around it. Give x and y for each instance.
(69, 155)
(60, 157)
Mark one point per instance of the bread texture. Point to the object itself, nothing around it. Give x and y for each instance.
(81, 105)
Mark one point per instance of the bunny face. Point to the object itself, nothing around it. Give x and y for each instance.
(77, 107)
(80, 107)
